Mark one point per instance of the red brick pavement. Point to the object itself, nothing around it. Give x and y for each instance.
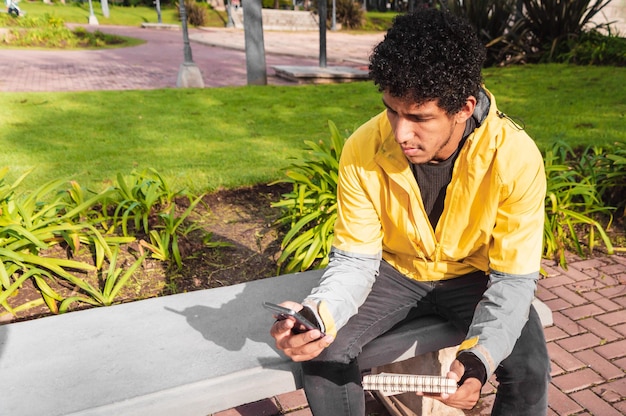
(218, 54)
(587, 346)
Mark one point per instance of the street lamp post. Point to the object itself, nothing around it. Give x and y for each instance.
(322, 9)
(93, 20)
(157, 4)
(189, 75)
(105, 8)
(229, 13)
(256, 67)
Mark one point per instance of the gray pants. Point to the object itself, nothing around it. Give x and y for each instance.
(332, 381)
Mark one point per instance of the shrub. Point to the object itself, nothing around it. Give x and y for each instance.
(310, 210)
(491, 19)
(50, 32)
(595, 48)
(573, 202)
(277, 4)
(197, 14)
(549, 24)
(147, 204)
(606, 169)
(84, 225)
(541, 31)
(96, 38)
(347, 12)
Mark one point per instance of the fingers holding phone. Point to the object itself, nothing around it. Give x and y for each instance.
(296, 335)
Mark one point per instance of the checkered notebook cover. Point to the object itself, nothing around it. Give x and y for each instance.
(389, 383)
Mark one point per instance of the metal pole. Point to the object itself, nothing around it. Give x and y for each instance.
(183, 18)
(158, 10)
(256, 66)
(333, 25)
(323, 13)
(229, 13)
(93, 20)
(105, 8)
(189, 75)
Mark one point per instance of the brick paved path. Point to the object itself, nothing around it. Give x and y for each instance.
(587, 346)
(218, 53)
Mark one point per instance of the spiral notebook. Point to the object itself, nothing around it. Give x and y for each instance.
(390, 384)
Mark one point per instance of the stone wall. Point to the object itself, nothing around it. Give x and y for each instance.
(289, 20)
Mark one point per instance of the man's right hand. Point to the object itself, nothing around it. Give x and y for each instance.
(299, 347)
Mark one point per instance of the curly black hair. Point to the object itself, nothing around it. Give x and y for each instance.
(429, 55)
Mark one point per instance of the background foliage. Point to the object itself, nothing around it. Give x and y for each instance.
(531, 31)
(49, 31)
(310, 210)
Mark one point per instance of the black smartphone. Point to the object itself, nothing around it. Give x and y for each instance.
(280, 313)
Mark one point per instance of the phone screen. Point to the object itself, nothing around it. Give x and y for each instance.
(280, 313)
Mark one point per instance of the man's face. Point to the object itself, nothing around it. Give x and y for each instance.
(425, 132)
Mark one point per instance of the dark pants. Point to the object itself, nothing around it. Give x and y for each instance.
(332, 381)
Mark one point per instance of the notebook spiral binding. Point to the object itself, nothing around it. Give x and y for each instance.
(389, 383)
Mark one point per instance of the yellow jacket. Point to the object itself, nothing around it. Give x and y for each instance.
(492, 221)
(493, 212)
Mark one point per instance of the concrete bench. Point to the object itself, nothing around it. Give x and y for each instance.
(286, 20)
(187, 354)
(162, 26)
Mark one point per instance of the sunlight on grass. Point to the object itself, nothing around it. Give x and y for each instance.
(79, 13)
(583, 105)
(205, 139)
(118, 15)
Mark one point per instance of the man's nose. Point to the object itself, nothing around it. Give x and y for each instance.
(402, 130)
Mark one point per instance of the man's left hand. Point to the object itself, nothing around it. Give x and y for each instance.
(467, 395)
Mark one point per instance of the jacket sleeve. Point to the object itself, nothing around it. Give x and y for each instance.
(500, 317)
(345, 284)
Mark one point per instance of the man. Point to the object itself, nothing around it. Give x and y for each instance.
(440, 210)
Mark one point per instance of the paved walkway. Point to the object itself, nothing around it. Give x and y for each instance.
(218, 53)
(588, 340)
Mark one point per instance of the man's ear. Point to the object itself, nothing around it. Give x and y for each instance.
(467, 110)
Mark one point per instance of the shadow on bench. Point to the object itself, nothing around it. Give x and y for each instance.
(187, 354)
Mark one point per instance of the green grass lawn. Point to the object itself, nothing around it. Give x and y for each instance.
(204, 139)
(118, 15)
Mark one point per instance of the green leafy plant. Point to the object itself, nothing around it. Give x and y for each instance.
(549, 24)
(146, 193)
(310, 210)
(33, 222)
(149, 204)
(492, 19)
(572, 201)
(595, 48)
(197, 14)
(82, 221)
(542, 31)
(347, 12)
(164, 237)
(113, 280)
(605, 166)
(49, 31)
